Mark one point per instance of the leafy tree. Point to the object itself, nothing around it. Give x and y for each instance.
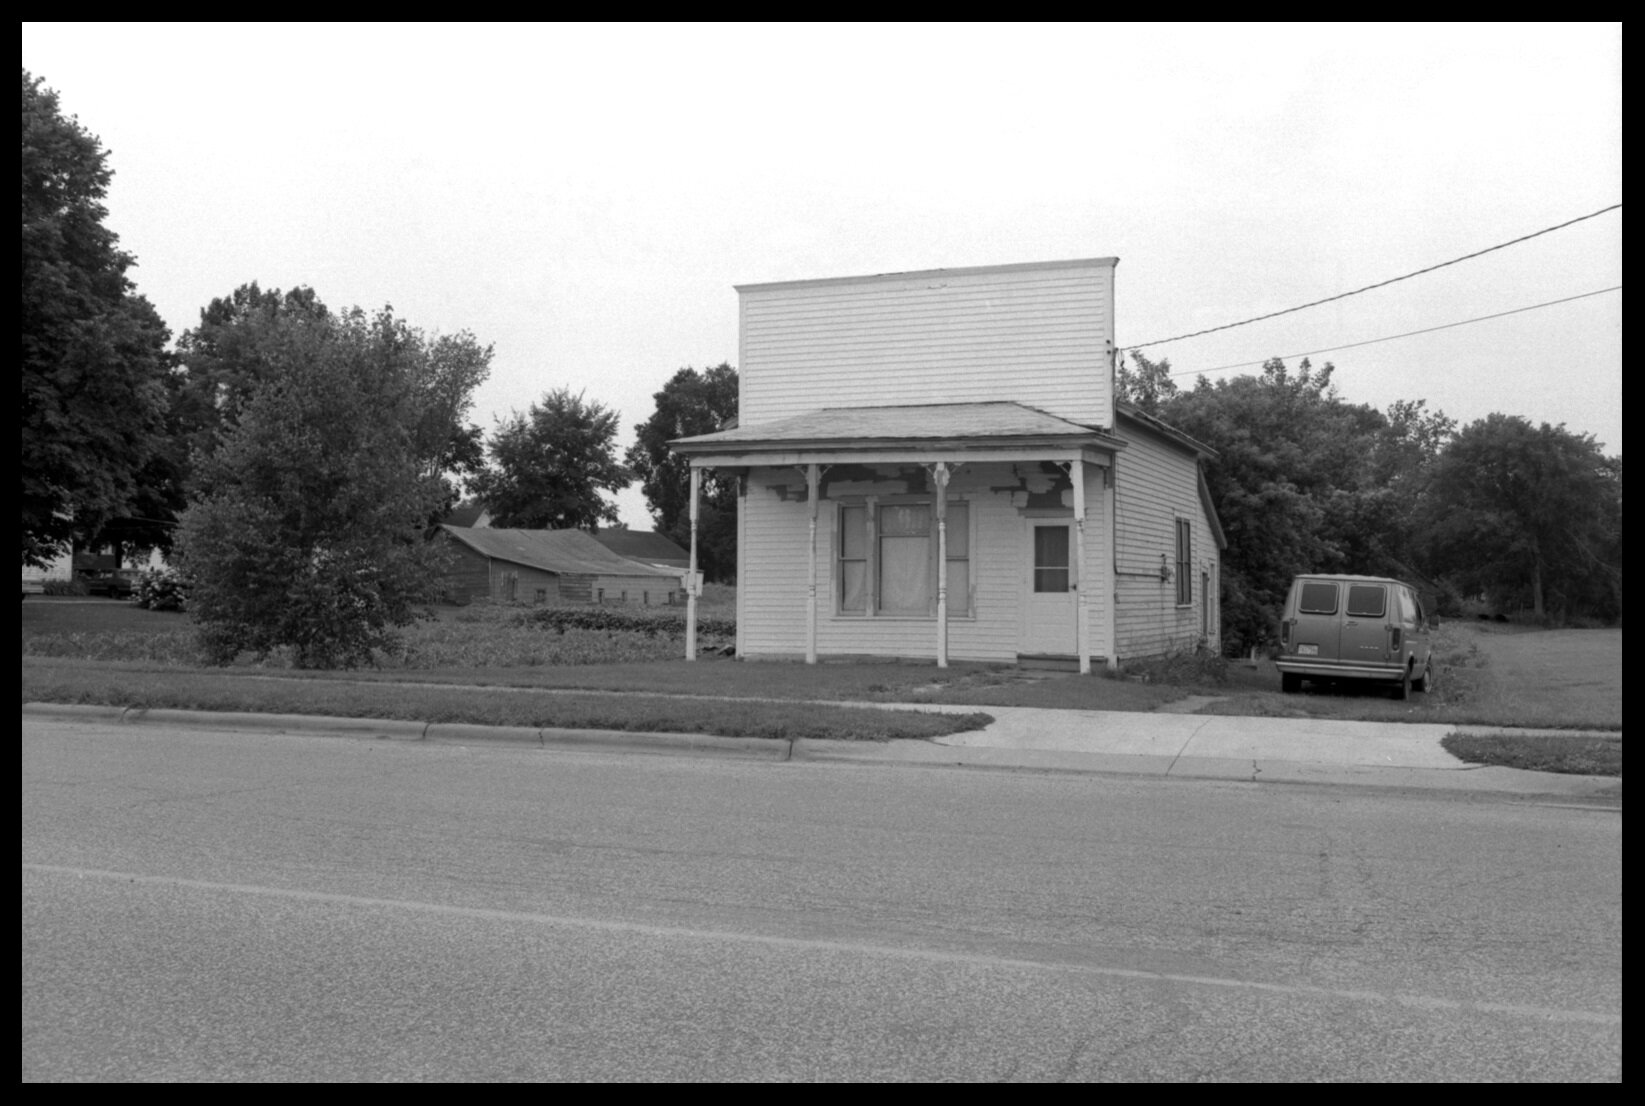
(1528, 513)
(239, 343)
(551, 465)
(248, 337)
(306, 518)
(1145, 383)
(1297, 484)
(690, 403)
(94, 362)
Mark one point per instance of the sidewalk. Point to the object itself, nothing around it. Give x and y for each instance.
(1198, 746)
(1179, 746)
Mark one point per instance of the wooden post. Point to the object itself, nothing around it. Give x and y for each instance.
(691, 578)
(813, 481)
(939, 473)
(1076, 472)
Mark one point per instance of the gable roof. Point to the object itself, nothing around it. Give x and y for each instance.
(642, 545)
(560, 551)
(925, 422)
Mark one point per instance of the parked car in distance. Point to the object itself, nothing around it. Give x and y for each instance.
(1356, 628)
(116, 583)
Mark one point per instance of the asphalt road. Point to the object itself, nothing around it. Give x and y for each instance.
(200, 905)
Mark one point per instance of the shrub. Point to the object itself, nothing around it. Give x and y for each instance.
(60, 586)
(161, 589)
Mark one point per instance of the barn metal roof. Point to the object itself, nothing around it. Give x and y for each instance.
(569, 552)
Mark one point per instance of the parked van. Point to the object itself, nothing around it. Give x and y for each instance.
(1355, 628)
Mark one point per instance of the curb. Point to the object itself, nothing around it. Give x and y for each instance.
(445, 733)
(1463, 780)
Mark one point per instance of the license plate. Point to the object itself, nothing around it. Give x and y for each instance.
(1307, 650)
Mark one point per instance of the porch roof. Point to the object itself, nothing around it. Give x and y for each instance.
(925, 428)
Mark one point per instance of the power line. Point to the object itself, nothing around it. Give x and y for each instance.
(1407, 334)
(1379, 284)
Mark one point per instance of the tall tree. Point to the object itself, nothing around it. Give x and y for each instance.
(550, 466)
(1528, 514)
(305, 527)
(94, 361)
(690, 403)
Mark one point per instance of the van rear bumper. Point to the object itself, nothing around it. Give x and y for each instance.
(1311, 668)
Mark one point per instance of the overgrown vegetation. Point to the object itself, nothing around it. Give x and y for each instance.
(1196, 667)
(309, 501)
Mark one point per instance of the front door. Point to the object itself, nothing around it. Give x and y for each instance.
(1050, 624)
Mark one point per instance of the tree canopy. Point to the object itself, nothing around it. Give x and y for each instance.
(1307, 482)
(691, 403)
(320, 475)
(551, 466)
(94, 360)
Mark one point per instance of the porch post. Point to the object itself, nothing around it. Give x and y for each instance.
(1076, 472)
(691, 579)
(939, 473)
(813, 480)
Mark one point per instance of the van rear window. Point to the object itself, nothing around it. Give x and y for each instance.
(1367, 601)
(1318, 599)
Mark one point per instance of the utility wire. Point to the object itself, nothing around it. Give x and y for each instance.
(1407, 334)
(1379, 284)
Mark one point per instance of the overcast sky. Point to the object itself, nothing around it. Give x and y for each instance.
(584, 198)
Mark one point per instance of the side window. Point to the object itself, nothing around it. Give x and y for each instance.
(1185, 558)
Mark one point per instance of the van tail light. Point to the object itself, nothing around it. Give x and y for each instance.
(1393, 638)
(1285, 632)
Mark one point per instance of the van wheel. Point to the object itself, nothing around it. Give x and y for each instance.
(1425, 682)
(1290, 683)
(1402, 690)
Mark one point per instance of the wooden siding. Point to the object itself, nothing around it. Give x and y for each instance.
(773, 580)
(475, 576)
(1040, 336)
(1157, 485)
(469, 577)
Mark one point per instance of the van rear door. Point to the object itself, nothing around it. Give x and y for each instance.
(1365, 627)
(1317, 632)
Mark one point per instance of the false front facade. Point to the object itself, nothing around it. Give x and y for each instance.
(933, 465)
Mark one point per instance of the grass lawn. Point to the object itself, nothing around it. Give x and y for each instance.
(1488, 675)
(86, 651)
(1571, 754)
(73, 681)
